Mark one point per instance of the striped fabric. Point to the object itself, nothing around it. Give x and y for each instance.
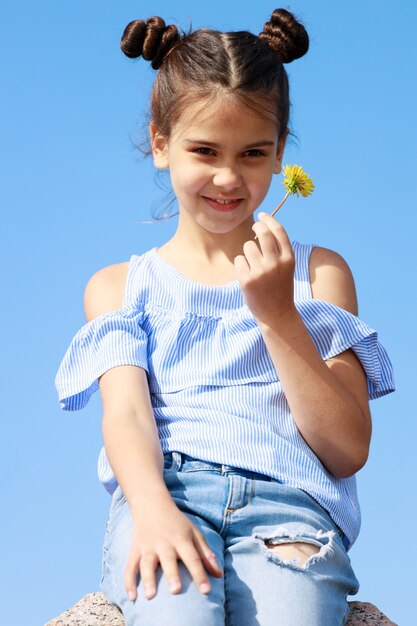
(214, 389)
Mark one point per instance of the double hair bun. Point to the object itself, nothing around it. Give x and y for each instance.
(287, 37)
(153, 39)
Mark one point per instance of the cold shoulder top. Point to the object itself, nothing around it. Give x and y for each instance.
(215, 392)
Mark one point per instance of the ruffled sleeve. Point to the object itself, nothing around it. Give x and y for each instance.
(335, 330)
(110, 340)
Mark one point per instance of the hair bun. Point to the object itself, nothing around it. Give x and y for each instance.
(285, 35)
(152, 39)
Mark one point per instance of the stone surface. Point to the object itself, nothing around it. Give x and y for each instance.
(366, 613)
(94, 610)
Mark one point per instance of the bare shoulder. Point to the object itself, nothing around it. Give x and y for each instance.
(332, 280)
(105, 290)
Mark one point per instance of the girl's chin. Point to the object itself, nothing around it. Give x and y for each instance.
(241, 228)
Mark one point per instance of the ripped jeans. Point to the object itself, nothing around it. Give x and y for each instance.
(243, 516)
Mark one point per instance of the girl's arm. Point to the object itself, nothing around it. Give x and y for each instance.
(162, 534)
(328, 399)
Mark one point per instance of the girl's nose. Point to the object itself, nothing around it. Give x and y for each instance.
(227, 178)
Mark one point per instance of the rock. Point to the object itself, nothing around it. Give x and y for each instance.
(94, 610)
(366, 613)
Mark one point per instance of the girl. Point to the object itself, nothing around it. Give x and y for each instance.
(234, 373)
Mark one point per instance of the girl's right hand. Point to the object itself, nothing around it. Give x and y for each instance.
(162, 534)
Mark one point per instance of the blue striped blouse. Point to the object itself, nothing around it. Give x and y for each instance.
(214, 389)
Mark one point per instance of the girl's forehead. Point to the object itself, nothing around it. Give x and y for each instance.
(218, 115)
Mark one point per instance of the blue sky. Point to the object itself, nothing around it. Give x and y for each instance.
(74, 191)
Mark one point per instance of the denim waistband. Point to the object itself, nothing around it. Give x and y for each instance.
(179, 461)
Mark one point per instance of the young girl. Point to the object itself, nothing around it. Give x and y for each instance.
(234, 373)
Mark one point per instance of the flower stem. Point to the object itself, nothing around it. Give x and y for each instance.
(277, 208)
(280, 204)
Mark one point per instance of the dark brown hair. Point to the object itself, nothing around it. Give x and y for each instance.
(202, 64)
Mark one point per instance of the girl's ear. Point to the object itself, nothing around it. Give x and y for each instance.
(159, 148)
(280, 152)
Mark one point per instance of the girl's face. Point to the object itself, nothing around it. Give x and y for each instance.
(221, 158)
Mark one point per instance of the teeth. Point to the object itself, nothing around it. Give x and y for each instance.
(224, 201)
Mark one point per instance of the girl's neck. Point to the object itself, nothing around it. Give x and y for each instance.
(190, 238)
(204, 256)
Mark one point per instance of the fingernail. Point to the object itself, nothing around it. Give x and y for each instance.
(149, 592)
(261, 214)
(174, 586)
(204, 587)
(131, 595)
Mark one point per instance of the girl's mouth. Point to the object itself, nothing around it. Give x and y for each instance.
(223, 204)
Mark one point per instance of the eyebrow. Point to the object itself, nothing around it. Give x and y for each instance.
(210, 144)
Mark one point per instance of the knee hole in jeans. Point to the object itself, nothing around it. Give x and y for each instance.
(297, 551)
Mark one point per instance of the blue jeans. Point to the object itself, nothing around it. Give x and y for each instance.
(238, 511)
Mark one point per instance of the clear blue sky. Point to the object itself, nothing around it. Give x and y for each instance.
(72, 195)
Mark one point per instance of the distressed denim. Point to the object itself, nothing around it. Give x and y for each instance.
(238, 512)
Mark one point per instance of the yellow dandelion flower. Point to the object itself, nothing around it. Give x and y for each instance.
(297, 181)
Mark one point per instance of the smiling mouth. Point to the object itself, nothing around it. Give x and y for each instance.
(223, 204)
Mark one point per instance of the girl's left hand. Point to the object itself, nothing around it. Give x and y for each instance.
(266, 272)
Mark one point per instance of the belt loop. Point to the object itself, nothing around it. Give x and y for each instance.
(176, 461)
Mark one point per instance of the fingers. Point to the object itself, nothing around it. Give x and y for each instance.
(267, 239)
(207, 555)
(148, 566)
(131, 573)
(241, 266)
(192, 561)
(253, 254)
(196, 556)
(272, 236)
(273, 244)
(169, 565)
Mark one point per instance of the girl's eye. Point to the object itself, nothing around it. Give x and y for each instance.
(204, 151)
(254, 153)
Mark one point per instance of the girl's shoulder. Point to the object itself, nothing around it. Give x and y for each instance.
(109, 288)
(331, 279)
(105, 290)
